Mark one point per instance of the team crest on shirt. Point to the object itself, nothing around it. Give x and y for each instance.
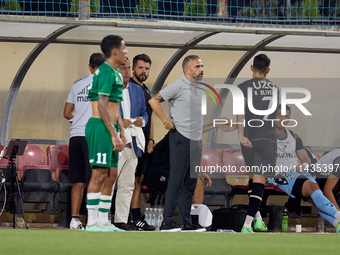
(287, 175)
(279, 179)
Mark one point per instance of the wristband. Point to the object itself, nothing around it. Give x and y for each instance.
(152, 140)
(305, 164)
(165, 121)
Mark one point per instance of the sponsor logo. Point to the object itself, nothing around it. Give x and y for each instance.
(82, 95)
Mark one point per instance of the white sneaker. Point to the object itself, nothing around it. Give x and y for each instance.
(76, 225)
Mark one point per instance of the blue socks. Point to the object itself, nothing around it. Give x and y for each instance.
(324, 205)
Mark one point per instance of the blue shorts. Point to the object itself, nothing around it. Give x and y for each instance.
(285, 181)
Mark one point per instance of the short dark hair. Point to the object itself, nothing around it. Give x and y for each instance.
(188, 58)
(96, 60)
(261, 63)
(142, 57)
(109, 43)
(288, 108)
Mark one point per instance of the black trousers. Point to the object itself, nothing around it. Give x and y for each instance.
(185, 154)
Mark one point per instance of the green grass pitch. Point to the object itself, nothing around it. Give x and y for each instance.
(48, 241)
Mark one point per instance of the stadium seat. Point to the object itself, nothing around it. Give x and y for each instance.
(33, 156)
(39, 187)
(232, 161)
(57, 155)
(233, 157)
(220, 192)
(61, 175)
(64, 196)
(209, 158)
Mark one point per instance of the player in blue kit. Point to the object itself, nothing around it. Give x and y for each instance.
(303, 185)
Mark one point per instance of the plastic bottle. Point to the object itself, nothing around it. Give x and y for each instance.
(285, 221)
(321, 224)
(156, 213)
(147, 215)
(159, 218)
(152, 216)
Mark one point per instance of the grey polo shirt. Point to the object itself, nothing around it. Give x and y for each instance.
(185, 107)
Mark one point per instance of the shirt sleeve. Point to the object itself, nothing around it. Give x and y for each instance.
(170, 92)
(105, 82)
(336, 167)
(299, 143)
(70, 98)
(143, 121)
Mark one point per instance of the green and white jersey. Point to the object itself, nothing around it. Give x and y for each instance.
(107, 82)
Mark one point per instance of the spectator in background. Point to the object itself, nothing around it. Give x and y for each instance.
(290, 151)
(78, 110)
(133, 112)
(141, 68)
(290, 148)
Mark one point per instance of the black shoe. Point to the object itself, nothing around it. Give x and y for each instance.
(125, 226)
(142, 225)
(169, 227)
(192, 228)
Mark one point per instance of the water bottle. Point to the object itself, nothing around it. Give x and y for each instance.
(321, 224)
(153, 217)
(147, 215)
(285, 221)
(156, 218)
(159, 218)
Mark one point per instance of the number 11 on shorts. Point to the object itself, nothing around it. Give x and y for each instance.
(99, 158)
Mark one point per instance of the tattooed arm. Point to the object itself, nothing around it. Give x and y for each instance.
(155, 104)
